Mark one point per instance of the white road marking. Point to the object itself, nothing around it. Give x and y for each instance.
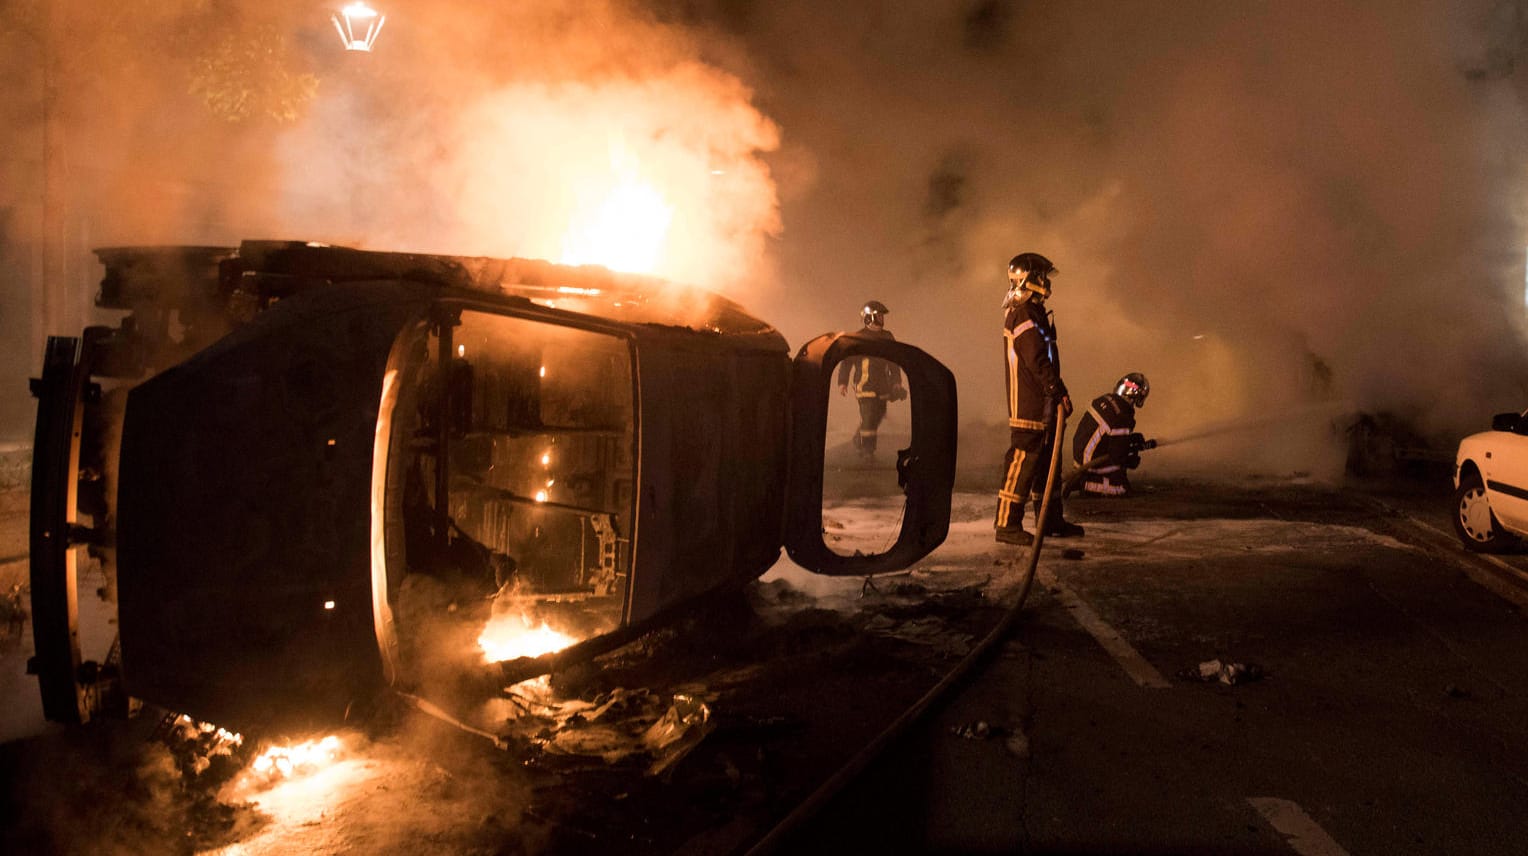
(1305, 836)
(1514, 571)
(1142, 672)
(1503, 588)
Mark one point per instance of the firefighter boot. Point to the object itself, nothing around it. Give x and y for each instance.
(1056, 526)
(1014, 535)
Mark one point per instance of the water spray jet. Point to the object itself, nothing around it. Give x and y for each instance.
(1219, 429)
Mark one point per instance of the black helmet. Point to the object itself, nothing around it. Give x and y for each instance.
(874, 311)
(1030, 272)
(1133, 388)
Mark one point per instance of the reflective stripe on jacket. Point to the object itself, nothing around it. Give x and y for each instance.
(1104, 430)
(1031, 366)
(871, 377)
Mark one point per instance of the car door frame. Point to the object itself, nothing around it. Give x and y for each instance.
(925, 470)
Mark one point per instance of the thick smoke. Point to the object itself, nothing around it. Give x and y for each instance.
(496, 135)
(1267, 208)
(585, 132)
(1264, 207)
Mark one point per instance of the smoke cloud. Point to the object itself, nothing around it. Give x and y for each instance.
(583, 132)
(1263, 207)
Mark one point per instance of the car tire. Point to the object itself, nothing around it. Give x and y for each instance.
(1474, 522)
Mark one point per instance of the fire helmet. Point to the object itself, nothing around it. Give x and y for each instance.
(873, 312)
(1029, 275)
(1133, 388)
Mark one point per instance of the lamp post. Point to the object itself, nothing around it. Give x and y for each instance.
(358, 25)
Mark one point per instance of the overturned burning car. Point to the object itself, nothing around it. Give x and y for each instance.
(313, 477)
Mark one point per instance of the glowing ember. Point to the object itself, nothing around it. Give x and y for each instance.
(303, 758)
(219, 736)
(509, 636)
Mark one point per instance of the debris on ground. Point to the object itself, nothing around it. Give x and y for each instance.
(929, 631)
(636, 726)
(978, 730)
(680, 729)
(1018, 743)
(1072, 553)
(1014, 739)
(1225, 672)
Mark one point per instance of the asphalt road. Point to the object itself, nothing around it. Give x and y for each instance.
(1391, 715)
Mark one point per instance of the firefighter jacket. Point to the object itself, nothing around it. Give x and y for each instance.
(871, 377)
(1105, 431)
(1032, 366)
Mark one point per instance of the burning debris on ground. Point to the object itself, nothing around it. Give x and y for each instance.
(719, 717)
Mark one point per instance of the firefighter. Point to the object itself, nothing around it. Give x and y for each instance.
(1106, 437)
(1033, 379)
(875, 381)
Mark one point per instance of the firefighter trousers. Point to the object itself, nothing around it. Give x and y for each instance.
(1029, 454)
(872, 411)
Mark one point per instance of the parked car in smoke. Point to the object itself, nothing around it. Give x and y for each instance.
(1491, 485)
(316, 476)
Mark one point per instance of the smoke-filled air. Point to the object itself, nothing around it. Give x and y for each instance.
(1291, 209)
(1297, 209)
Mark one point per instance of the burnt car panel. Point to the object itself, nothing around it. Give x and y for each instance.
(243, 509)
(713, 459)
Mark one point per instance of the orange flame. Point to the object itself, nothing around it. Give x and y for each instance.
(508, 636)
(662, 176)
(620, 220)
(287, 761)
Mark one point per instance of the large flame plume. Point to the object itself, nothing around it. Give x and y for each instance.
(659, 177)
(618, 149)
(619, 219)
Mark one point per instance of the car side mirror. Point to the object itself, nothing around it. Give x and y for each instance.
(1504, 422)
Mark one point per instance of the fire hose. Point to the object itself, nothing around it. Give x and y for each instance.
(808, 808)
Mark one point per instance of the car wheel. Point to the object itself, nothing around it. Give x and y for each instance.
(1474, 523)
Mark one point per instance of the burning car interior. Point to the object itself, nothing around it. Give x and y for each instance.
(514, 485)
(317, 477)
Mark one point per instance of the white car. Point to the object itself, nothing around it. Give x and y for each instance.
(1491, 485)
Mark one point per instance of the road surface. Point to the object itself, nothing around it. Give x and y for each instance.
(1391, 715)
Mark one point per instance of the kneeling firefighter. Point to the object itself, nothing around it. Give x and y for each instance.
(1033, 379)
(875, 381)
(1106, 443)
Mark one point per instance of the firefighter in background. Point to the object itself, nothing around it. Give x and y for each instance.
(1106, 436)
(875, 381)
(1033, 379)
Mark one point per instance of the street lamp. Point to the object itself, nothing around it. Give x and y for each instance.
(358, 25)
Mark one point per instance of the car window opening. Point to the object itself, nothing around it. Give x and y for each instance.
(515, 444)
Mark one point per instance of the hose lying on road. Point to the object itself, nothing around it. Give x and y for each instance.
(808, 808)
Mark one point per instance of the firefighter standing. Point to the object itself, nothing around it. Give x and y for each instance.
(875, 381)
(1032, 372)
(1106, 437)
